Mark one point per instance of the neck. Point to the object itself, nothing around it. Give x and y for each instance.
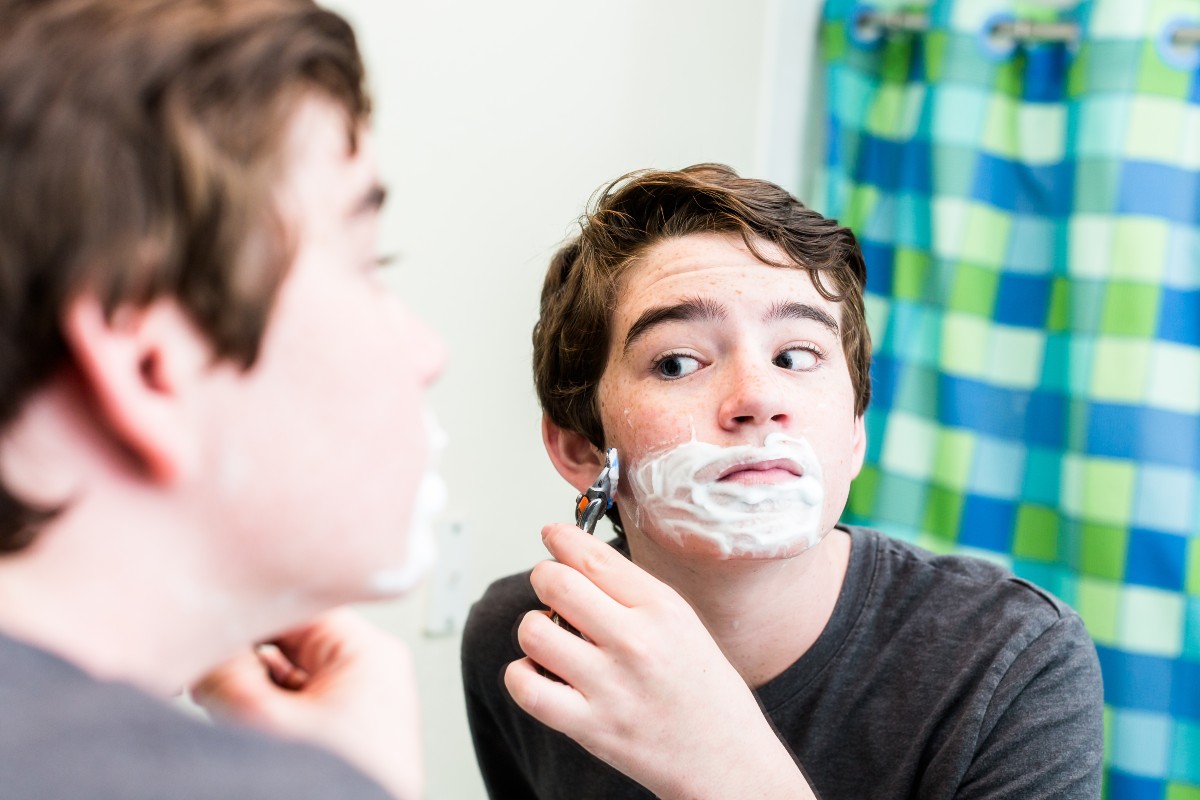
(764, 614)
(132, 580)
(126, 607)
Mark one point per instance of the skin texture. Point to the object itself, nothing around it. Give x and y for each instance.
(732, 392)
(347, 365)
(208, 508)
(661, 687)
(333, 411)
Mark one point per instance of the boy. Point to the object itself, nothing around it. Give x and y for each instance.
(738, 642)
(211, 411)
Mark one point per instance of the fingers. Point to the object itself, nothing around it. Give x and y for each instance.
(577, 600)
(348, 686)
(237, 690)
(617, 576)
(283, 672)
(555, 704)
(319, 642)
(556, 649)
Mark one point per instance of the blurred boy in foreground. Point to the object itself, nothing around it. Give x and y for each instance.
(212, 421)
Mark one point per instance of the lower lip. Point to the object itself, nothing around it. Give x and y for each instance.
(760, 476)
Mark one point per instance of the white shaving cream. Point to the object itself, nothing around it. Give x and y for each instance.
(678, 494)
(428, 504)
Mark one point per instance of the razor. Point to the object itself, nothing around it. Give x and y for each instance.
(590, 507)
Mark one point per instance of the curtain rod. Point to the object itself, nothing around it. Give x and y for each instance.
(875, 22)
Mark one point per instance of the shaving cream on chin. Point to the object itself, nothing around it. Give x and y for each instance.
(678, 495)
(428, 504)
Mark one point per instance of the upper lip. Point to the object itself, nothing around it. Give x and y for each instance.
(791, 465)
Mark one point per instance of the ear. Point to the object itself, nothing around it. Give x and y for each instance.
(139, 368)
(575, 458)
(860, 445)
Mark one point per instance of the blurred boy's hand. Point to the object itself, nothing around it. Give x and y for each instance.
(649, 691)
(338, 682)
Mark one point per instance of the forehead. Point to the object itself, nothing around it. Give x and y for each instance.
(716, 267)
(320, 171)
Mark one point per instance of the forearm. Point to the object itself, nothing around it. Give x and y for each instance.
(759, 767)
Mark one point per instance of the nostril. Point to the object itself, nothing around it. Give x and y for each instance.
(744, 418)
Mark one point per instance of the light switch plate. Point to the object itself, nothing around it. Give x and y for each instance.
(447, 601)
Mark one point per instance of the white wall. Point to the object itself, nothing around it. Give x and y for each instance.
(497, 121)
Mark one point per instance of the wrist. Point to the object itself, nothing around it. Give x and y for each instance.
(765, 769)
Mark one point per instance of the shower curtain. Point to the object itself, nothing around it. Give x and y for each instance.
(1030, 216)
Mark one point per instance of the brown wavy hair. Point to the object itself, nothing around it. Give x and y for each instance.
(140, 141)
(637, 211)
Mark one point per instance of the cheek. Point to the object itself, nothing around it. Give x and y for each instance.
(638, 423)
(835, 450)
(342, 365)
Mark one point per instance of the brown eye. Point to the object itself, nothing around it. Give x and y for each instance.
(672, 367)
(798, 359)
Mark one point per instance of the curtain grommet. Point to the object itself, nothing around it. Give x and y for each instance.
(865, 30)
(994, 46)
(1180, 56)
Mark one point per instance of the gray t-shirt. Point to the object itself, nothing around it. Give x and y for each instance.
(936, 677)
(67, 736)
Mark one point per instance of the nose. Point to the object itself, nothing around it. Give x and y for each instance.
(755, 395)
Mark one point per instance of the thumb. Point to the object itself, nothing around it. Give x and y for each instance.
(241, 690)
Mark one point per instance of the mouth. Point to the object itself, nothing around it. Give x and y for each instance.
(776, 470)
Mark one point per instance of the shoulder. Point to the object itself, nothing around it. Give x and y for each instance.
(911, 577)
(80, 737)
(990, 671)
(968, 610)
(489, 635)
(505, 597)
(490, 628)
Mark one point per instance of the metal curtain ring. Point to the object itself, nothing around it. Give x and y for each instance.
(1178, 43)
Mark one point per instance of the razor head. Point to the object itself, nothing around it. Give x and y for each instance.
(592, 504)
(612, 465)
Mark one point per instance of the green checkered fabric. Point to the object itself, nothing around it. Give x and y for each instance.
(1030, 217)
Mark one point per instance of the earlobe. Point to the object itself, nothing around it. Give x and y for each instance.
(138, 366)
(860, 445)
(575, 458)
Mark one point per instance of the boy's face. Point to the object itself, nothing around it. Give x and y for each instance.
(710, 344)
(323, 443)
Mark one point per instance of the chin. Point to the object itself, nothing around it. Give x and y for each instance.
(719, 548)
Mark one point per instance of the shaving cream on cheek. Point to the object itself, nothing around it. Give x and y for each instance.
(680, 494)
(429, 502)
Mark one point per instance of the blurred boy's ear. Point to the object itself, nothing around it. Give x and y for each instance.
(575, 458)
(140, 366)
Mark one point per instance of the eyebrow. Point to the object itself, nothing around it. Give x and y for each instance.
(788, 310)
(371, 201)
(693, 308)
(702, 308)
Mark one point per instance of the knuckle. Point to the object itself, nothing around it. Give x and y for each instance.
(527, 630)
(521, 690)
(641, 648)
(597, 560)
(532, 633)
(551, 581)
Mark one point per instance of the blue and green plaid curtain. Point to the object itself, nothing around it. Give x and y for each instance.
(1030, 216)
